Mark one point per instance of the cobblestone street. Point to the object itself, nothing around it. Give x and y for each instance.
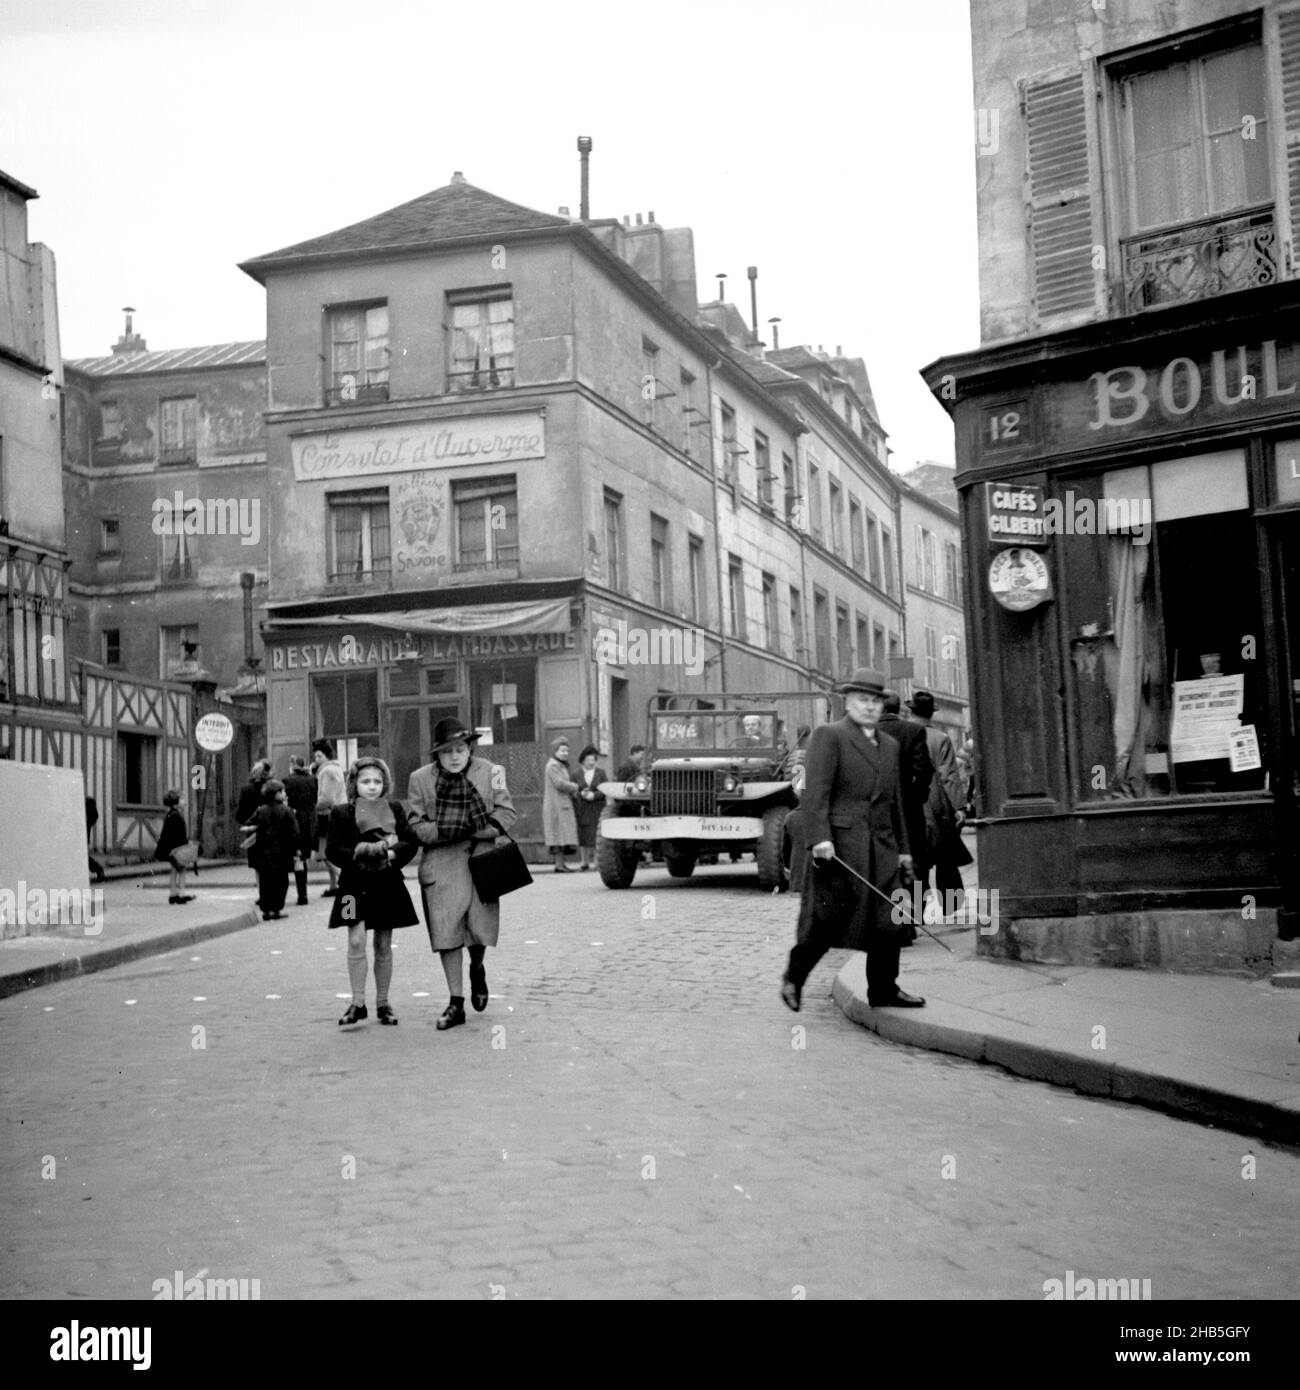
(635, 1115)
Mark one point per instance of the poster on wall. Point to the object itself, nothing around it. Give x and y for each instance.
(1206, 716)
(1018, 579)
(1243, 749)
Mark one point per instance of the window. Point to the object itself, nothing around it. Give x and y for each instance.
(878, 646)
(791, 491)
(873, 551)
(177, 424)
(520, 681)
(661, 577)
(796, 624)
(137, 769)
(179, 561)
(736, 598)
(952, 662)
(931, 657)
(763, 467)
(1195, 151)
(926, 561)
(650, 387)
(857, 546)
(615, 548)
(696, 566)
(815, 519)
(358, 360)
(887, 546)
(482, 340)
(837, 518)
(822, 630)
(952, 571)
(730, 444)
(864, 641)
(358, 535)
(110, 646)
(110, 422)
(771, 623)
(171, 647)
(843, 641)
(691, 414)
(486, 512)
(345, 710)
(110, 537)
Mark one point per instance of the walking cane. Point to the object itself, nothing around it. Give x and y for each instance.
(891, 902)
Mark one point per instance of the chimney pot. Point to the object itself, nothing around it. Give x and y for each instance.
(458, 177)
(564, 212)
(839, 351)
(650, 216)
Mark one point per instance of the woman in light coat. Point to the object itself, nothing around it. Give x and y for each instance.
(457, 806)
(559, 822)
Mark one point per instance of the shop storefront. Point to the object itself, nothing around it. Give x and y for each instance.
(1130, 497)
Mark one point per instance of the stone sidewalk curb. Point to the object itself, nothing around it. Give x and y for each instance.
(134, 948)
(1090, 1075)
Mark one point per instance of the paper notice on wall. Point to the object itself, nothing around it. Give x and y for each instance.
(1243, 749)
(1206, 715)
(509, 711)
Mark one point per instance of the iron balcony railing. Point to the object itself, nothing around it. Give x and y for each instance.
(1214, 256)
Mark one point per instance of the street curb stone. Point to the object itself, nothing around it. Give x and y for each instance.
(72, 966)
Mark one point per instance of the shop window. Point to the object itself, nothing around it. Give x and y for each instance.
(345, 710)
(137, 769)
(403, 679)
(482, 340)
(504, 699)
(487, 523)
(359, 547)
(1164, 622)
(358, 348)
(177, 420)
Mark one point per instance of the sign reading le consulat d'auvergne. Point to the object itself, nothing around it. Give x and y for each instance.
(445, 443)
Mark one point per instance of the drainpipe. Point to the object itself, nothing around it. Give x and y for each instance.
(717, 532)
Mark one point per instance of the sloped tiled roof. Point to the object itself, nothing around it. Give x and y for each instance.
(458, 209)
(172, 359)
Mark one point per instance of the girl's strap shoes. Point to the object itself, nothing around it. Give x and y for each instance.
(452, 1017)
(355, 1013)
(384, 1013)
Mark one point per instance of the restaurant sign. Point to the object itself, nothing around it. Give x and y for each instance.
(445, 443)
(1015, 514)
(351, 651)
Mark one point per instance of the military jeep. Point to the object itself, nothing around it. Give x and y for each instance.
(718, 781)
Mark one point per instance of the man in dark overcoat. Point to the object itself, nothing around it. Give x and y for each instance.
(852, 808)
(915, 774)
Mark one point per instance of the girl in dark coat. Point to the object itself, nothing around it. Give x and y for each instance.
(172, 837)
(273, 842)
(370, 841)
(588, 802)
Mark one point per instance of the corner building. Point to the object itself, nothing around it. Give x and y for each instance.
(1138, 382)
(496, 438)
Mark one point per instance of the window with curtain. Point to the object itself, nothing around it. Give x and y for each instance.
(358, 346)
(358, 535)
(482, 342)
(177, 421)
(615, 547)
(486, 523)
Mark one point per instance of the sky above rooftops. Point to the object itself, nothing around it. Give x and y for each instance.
(831, 144)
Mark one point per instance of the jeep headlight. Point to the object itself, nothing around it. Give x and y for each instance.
(641, 784)
(730, 783)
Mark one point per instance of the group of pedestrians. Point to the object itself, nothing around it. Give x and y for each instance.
(571, 805)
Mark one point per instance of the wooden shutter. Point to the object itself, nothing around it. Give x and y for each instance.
(1060, 196)
(1288, 31)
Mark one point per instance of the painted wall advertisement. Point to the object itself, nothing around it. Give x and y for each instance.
(446, 443)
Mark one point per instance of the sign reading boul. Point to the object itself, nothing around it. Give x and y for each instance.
(214, 732)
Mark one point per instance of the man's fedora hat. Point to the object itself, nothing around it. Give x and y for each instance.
(864, 680)
(449, 731)
(922, 703)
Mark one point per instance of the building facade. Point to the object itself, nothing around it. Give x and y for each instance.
(519, 484)
(1128, 438)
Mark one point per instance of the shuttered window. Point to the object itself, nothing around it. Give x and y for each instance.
(1061, 236)
(1288, 28)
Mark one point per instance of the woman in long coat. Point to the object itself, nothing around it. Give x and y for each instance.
(457, 807)
(588, 802)
(559, 822)
(369, 840)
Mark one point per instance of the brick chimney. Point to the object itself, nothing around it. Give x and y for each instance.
(130, 341)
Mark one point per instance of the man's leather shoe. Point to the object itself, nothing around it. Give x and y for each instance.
(791, 994)
(898, 1000)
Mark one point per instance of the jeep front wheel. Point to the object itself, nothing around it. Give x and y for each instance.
(772, 873)
(617, 860)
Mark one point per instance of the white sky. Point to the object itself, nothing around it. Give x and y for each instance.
(828, 142)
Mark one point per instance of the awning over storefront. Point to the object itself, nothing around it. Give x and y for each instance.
(502, 619)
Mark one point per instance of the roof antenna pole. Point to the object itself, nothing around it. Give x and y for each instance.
(584, 151)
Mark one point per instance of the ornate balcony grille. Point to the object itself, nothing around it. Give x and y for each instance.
(1214, 256)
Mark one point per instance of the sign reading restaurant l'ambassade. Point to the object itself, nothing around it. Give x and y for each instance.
(446, 443)
(1127, 400)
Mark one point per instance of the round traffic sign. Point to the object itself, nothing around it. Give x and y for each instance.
(214, 732)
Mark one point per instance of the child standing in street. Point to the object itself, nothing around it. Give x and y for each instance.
(274, 841)
(369, 841)
(172, 837)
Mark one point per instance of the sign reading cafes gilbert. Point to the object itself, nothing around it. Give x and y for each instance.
(444, 443)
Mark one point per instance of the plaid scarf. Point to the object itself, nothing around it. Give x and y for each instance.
(460, 809)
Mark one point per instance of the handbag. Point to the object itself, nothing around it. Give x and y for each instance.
(186, 856)
(499, 871)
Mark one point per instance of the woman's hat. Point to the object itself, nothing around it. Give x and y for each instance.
(561, 742)
(361, 764)
(864, 680)
(590, 748)
(449, 731)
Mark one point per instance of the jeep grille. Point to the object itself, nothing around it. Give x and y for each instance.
(681, 792)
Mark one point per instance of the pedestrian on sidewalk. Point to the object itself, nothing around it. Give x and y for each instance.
(250, 799)
(946, 855)
(92, 820)
(457, 806)
(173, 837)
(331, 791)
(272, 841)
(590, 800)
(368, 837)
(852, 808)
(300, 788)
(559, 820)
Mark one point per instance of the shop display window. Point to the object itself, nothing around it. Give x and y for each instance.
(504, 698)
(345, 710)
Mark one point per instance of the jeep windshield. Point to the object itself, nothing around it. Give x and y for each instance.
(712, 731)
